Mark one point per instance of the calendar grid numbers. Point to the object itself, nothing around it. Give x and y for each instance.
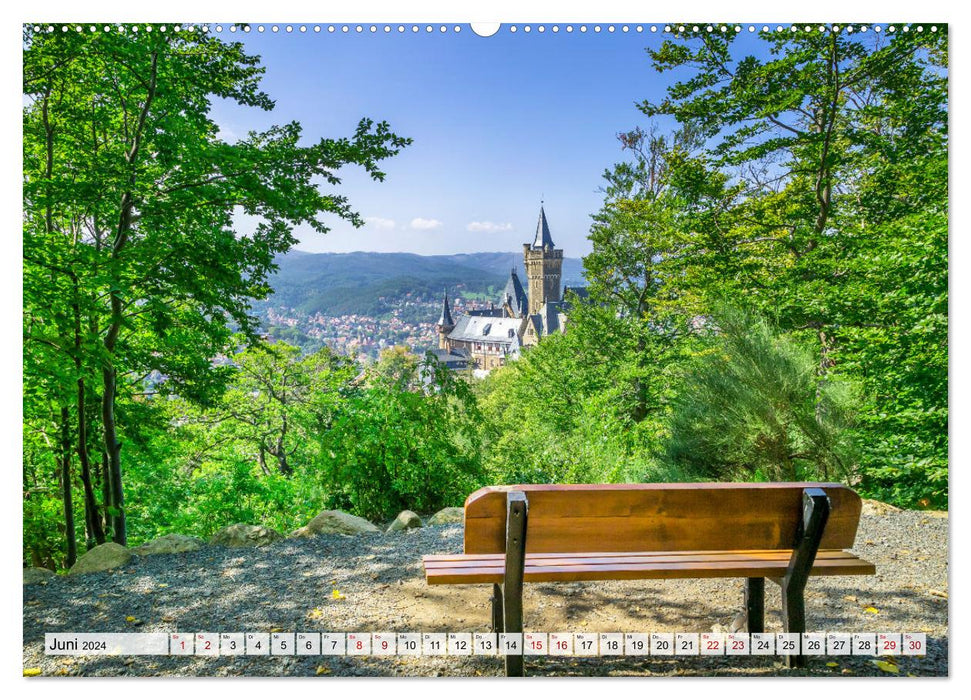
(563, 644)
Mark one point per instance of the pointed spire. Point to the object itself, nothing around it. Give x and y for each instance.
(543, 237)
(515, 295)
(446, 318)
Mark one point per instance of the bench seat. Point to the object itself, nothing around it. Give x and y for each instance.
(603, 566)
(533, 533)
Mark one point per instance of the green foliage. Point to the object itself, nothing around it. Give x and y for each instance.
(134, 276)
(582, 406)
(753, 405)
(408, 438)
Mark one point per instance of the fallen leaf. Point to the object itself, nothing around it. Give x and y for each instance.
(315, 614)
(337, 595)
(832, 664)
(276, 629)
(129, 618)
(871, 610)
(322, 670)
(887, 666)
(850, 598)
(31, 672)
(939, 594)
(163, 585)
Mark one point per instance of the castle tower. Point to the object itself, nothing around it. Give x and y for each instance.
(445, 324)
(544, 266)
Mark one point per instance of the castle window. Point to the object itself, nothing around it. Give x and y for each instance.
(486, 329)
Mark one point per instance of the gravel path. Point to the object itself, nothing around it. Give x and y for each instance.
(288, 587)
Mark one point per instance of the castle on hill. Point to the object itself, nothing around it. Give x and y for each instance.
(488, 338)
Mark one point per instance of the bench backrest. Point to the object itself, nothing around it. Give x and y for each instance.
(657, 517)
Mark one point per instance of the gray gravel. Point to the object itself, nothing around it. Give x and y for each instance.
(289, 587)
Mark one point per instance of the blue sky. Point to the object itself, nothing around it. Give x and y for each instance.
(498, 123)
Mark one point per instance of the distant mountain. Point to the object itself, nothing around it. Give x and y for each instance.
(337, 284)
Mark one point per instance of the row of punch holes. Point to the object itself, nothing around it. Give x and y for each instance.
(488, 30)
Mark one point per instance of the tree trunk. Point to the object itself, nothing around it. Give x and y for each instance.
(92, 518)
(68, 497)
(113, 453)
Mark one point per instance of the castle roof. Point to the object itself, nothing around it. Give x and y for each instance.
(515, 295)
(446, 318)
(543, 237)
(486, 329)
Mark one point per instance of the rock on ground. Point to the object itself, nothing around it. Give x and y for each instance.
(34, 574)
(109, 555)
(447, 516)
(172, 543)
(874, 507)
(406, 520)
(242, 535)
(335, 522)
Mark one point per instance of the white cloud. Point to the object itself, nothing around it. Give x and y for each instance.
(425, 224)
(379, 223)
(487, 227)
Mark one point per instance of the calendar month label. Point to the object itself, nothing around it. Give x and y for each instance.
(106, 644)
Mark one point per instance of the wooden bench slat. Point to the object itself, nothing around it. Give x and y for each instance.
(651, 570)
(674, 517)
(535, 556)
(476, 561)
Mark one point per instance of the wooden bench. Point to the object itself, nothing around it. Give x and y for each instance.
(597, 532)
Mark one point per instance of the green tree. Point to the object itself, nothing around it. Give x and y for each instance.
(131, 254)
(813, 169)
(750, 407)
(407, 438)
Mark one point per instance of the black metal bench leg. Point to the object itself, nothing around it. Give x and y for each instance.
(815, 513)
(755, 604)
(496, 608)
(512, 589)
(794, 618)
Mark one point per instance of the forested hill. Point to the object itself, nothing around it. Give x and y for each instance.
(336, 284)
